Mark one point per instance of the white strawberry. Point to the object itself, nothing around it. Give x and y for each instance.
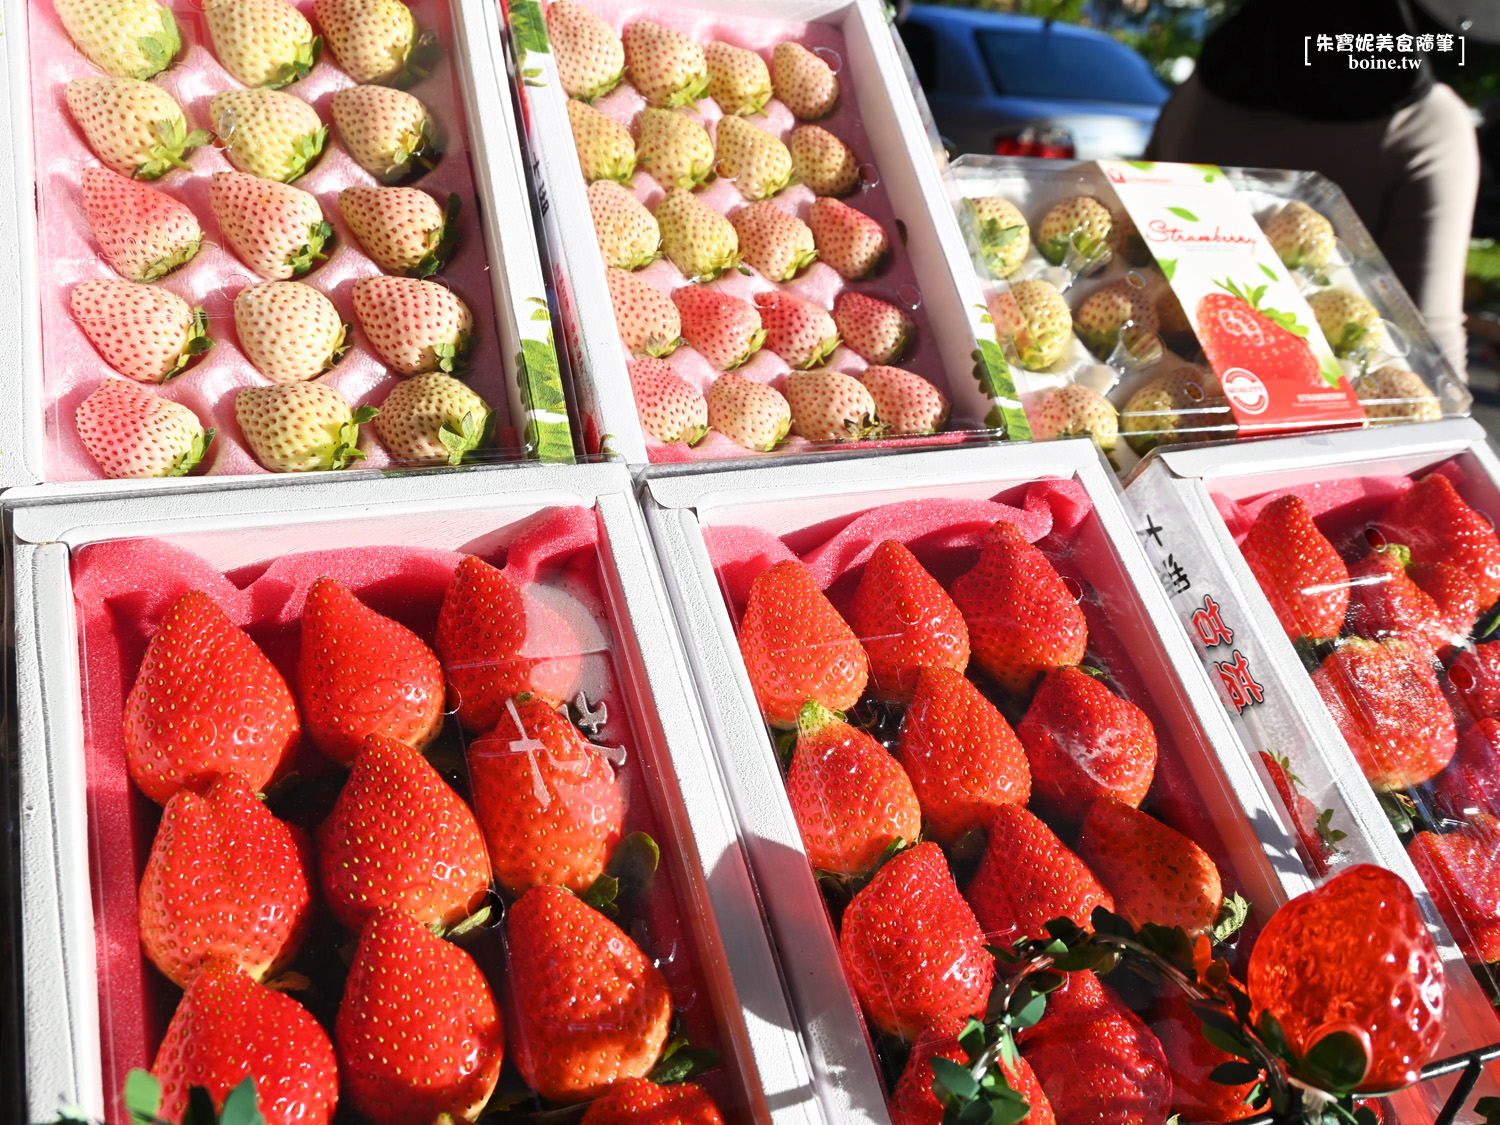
(433, 417)
(275, 229)
(590, 56)
(288, 330)
(1073, 410)
(906, 402)
(134, 127)
(268, 133)
(647, 318)
(1394, 394)
(665, 65)
(141, 331)
(1100, 318)
(804, 83)
(134, 434)
(414, 325)
(1080, 223)
(143, 233)
(388, 132)
(670, 409)
(750, 414)
(372, 40)
(300, 427)
(831, 406)
(124, 38)
(737, 79)
(605, 148)
(262, 42)
(402, 229)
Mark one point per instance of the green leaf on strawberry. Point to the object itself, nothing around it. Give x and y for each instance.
(1232, 916)
(679, 1062)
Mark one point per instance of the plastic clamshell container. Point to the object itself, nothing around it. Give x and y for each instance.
(890, 132)
(497, 267)
(807, 505)
(75, 1044)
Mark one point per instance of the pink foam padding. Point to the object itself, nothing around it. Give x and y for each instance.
(72, 369)
(740, 553)
(1340, 507)
(895, 281)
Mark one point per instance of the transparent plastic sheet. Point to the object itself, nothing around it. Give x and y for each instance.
(1160, 389)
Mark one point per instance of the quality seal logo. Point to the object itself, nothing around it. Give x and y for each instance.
(1245, 390)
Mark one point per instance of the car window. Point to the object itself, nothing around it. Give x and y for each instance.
(1071, 67)
(921, 45)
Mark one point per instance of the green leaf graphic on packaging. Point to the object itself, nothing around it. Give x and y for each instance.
(1183, 213)
(1268, 271)
(1142, 165)
(528, 28)
(1330, 372)
(1168, 266)
(1284, 320)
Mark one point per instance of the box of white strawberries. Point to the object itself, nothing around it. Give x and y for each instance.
(392, 796)
(270, 238)
(752, 248)
(1154, 304)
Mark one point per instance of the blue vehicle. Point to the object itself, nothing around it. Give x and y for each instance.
(1021, 85)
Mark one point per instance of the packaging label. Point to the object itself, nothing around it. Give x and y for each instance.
(1261, 338)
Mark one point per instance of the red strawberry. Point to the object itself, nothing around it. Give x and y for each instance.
(550, 804)
(804, 82)
(362, 674)
(1192, 1059)
(913, 1102)
(495, 642)
(225, 878)
(1022, 617)
(131, 433)
(633, 1101)
(227, 1028)
(750, 414)
(911, 947)
(206, 701)
(670, 409)
(1475, 674)
(961, 755)
(1385, 602)
(1453, 591)
(388, 132)
(1155, 873)
(647, 319)
(779, 245)
(907, 620)
(1337, 956)
(797, 330)
(1098, 1063)
(400, 839)
(725, 330)
(275, 229)
(850, 798)
(1462, 870)
(141, 331)
(1234, 332)
(143, 233)
(1083, 741)
(1300, 573)
(848, 240)
(585, 1006)
(908, 403)
(878, 332)
(1435, 523)
(1306, 821)
(590, 57)
(797, 648)
(402, 229)
(831, 406)
(665, 65)
(418, 1035)
(1027, 878)
(1388, 706)
(413, 325)
(1471, 783)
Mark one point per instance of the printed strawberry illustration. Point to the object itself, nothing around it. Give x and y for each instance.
(289, 331)
(134, 127)
(1338, 954)
(549, 803)
(1471, 783)
(750, 414)
(275, 229)
(1028, 877)
(848, 240)
(1437, 526)
(132, 434)
(632, 1100)
(852, 801)
(418, 1034)
(671, 410)
(756, 162)
(361, 674)
(587, 1008)
(665, 65)
(911, 947)
(267, 133)
(1236, 331)
(778, 245)
(226, 878)
(143, 332)
(1462, 870)
(1192, 1060)
(495, 642)
(737, 79)
(1108, 311)
(646, 317)
(1385, 602)
(125, 39)
(696, 239)
(301, 427)
(674, 150)
(1314, 829)
(1299, 571)
(1074, 410)
(1001, 233)
(205, 701)
(822, 162)
(724, 330)
(796, 647)
(629, 236)
(262, 42)
(590, 56)
(1022, 618)
(960, 754)
(1301, 237)
(805, 83)
(906, 402)
(143, 233)
(433, 418)
(400, 839)
(1085, 742)
(228, 1028)
(907, 622)
(388, 132)
(876, 330)
(605, 148)
(1034, 320)
(373, 40)
(913, 1102)
(831, 406)
(799, 331)
(414, 325)
(1081, 224)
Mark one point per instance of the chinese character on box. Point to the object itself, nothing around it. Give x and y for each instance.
(1239, 685)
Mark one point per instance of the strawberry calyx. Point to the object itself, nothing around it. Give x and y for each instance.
(468, 435)
(814, 717)
(300, 66)
(142, 1098)
(198, 342)
(678, 1062)
(441, 242)
(629, 875)
(173, 142)
(319, 234)
(160, 48)
(189, 460)
(417, 146)
(346, 449)
(1252, 296)
(422, 56)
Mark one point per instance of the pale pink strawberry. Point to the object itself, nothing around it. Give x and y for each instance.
(275, 229)
(141, 331)
(906, 402)
(674, 150)
(777, 244)
(645, 316)
(1072, 410)
(143, 233)
(848, 240)
(262, 42)
(831, 406)
(670, 409)
(288, 330)
(136, 128)
(125, 38)
(628, 235)
(756, 162)
(750, 414)
(133, 434)
(797, 330)
(590, 56)
(737, 79)
(433, 417)
(805, 83)
(268, 133)
(605, 148)
(372, 40)
(300, 427)
(665, 65)
(822, 162)
(724, 330)
(696, 239)
(413, 325)
(878, 332)
(388, 132)
(402, 229)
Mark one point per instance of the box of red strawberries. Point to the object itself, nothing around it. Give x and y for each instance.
(492, 828)
(752, 247)
(256, 223)
(965, 648)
